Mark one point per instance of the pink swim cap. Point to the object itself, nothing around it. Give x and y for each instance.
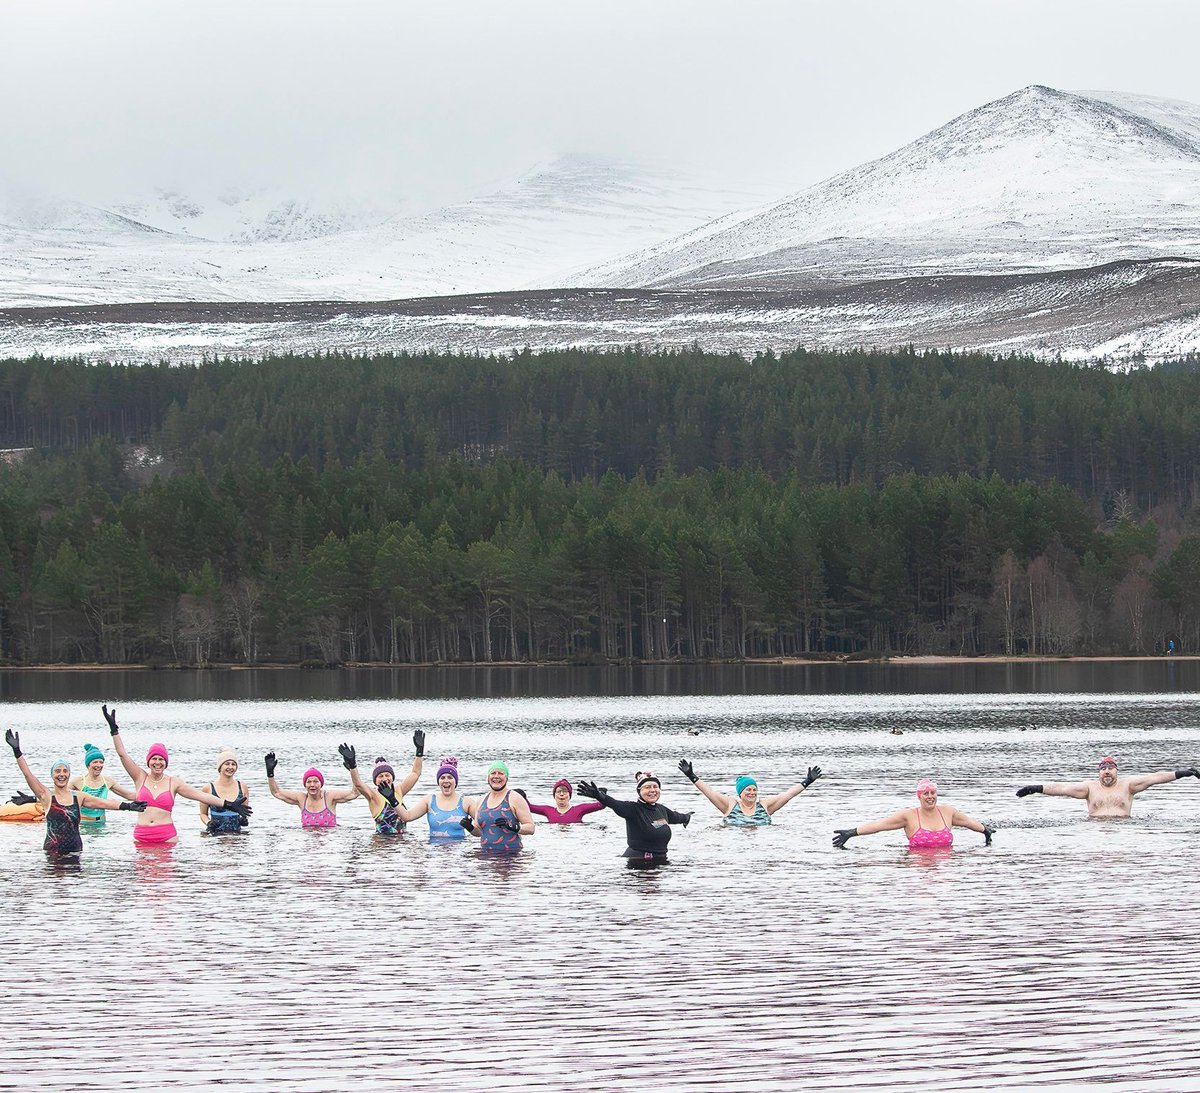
(924, 784)
(160, 750)
(312, 772)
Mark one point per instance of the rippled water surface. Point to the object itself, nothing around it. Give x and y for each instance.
(290, 960)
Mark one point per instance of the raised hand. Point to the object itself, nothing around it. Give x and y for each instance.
(988, 832)
(1187, 772)
(688, 772)
(349, 760)
(813, 774)
(589, 789)
(843, 835)
(388, 793)
(13, 740)
(505, 824)
(1025, 791)
(419, 743)
(132, 806)
(272, 763)
(111, 717)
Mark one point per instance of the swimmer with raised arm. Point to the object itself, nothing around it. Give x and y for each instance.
(647, 820)
(61, 803)
(318, 805)
(928, 826)
(385, 797)
(1108, 795)
(158, 789)
(446, 809)
(746, 808)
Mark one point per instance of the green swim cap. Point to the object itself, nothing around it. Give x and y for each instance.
(499, 766)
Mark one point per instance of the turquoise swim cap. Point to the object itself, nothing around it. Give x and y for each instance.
(744, 781)
(59, 763)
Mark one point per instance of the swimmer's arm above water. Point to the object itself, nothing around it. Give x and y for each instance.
(722, 803)
(774, 804)
(416, 812)
(1140, 782)
(373, 797)
(1057, 789)
(289, 796)
(411, 778)
(894, 822)
(31, 779)
(138, 774)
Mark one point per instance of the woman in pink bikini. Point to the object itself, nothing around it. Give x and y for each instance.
(158, 789)
(928, 826)
(318, 805)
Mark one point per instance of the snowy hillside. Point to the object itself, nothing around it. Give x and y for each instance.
(576, 211)
(1041, 179)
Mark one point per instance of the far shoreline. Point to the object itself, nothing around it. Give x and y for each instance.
(850, 660)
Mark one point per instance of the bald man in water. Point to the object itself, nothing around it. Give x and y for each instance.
(1108, 795)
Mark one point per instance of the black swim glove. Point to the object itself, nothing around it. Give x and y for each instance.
(687, 818)
(988, 832)
(1188, 772)
(467, 824)
(111, 718)
(813, 774)
(688, 772)
(505, 824)
(272, 763)
(23, 799)
(419, 743)
(1025, 791)
(346, 751)
(388, 793)
(132, 806)
(13, 740)
(590, 789)
(242, 808)
(843, 835)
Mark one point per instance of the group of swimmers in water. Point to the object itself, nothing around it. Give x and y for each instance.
(498, 817)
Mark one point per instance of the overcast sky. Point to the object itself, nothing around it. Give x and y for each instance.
(438, 97)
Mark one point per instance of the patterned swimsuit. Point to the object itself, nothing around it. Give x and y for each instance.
(62, 828)
(924, 839)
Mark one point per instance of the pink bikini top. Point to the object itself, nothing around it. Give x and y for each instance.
(924, 839)
(165, 800)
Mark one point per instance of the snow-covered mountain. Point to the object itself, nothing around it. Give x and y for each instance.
(1041, 179)
(1044, 222)
(167, 245)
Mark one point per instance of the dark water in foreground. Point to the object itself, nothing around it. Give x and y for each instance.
(291, 960)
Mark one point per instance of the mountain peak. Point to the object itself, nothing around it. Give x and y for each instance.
(1038, 179)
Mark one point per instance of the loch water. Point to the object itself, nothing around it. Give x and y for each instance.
(1060, 957)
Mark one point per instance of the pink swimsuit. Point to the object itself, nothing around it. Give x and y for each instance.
(325, 818)
(924, 839)
(155, 833)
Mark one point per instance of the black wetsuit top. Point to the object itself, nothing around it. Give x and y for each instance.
(646, 826)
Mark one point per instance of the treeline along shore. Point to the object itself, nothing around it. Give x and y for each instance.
(595, 506)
